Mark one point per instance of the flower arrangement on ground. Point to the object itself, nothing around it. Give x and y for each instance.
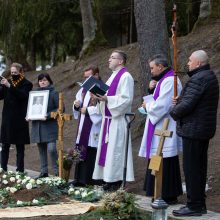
(86, 194)
(121, 203)
(18, 189)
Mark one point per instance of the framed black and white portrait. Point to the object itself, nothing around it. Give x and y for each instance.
(37, 105)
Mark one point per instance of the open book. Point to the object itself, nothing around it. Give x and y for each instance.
(95, 86)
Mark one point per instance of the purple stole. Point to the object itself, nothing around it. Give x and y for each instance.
(85, 132)
(151, 127)
(111, 92)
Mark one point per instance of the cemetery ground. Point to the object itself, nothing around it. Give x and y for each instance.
(66, 75)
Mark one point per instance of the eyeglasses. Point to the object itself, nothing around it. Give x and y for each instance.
(115, 58)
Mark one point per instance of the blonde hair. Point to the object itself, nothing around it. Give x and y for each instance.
(18, 66)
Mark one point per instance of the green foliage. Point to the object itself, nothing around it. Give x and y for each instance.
(108, 215)
(120, 203)
(31, 28)
(187, 15)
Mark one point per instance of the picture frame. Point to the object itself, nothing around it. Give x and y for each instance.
(37, 105)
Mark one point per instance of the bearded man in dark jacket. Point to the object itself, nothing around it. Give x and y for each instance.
(196, 114)
(14, 128)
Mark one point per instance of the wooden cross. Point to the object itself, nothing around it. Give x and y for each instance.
(61, 118)
(156, 163)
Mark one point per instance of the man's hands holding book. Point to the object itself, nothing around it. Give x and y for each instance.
(100, 97)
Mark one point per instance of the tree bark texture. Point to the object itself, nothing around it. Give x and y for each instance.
(210, 8)
(88, 22)
(151, 32)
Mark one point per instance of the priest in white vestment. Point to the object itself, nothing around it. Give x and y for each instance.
(112, 140)
(84, 109)
(158, 106)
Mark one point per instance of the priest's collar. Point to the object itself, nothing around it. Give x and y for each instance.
(201, 68)
(117, 70)
(161, 75)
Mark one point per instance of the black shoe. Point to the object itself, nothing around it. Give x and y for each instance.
(42, 175)
(186, 211)
(203, 209)
(107, 187)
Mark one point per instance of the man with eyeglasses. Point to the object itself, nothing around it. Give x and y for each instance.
(14, 128)
(112, 139)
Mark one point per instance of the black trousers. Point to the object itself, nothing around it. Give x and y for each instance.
(19, 157)
(84, 169)
(195, 171)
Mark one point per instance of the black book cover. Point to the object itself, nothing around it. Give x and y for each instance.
(95, 86)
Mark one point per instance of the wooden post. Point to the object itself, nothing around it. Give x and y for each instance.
(61, 118)
(156, 163)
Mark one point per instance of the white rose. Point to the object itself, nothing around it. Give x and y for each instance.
(12, 179)
(27, 178)
(77, 192)
(24, 181)
(18, 177)
(19, 202)
(35, 201)
(1, 170)
(13, 189)
(32, 181)
(39, 182)
(70, 191)
(84, 194)
(5, 182)
(19, 181)
(29, 186)
(4, 176)
(7, 188)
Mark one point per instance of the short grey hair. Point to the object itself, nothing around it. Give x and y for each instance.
(18, 66)
(159, 59)
(201, 56)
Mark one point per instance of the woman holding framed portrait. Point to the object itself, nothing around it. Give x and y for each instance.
(42, 102)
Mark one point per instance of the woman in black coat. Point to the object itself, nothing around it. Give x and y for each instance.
(45, 132)
(14, 128)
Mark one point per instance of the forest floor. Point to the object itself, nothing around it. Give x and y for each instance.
(67, 74)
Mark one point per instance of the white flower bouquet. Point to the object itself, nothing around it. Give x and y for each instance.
(85, 194)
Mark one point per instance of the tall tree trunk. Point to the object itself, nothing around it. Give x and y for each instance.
(215, 11)
(151, 32)
(33, 54)
(205, 9)
(209, 9)
(53, 60)
(88, 23)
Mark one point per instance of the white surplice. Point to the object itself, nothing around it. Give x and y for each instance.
(157, 111)
(94, 116)
(118, 105)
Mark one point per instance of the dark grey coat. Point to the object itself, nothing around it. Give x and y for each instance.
(14, 128)
(196, 110)
(46, 131)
